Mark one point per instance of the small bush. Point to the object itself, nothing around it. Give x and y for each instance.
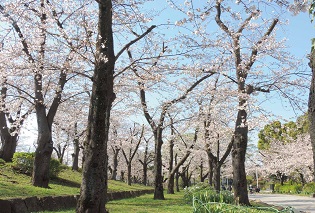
(288, 188)
(23, 162)
(55, 168)
(308, 188)
(199, 207)
(205, 193)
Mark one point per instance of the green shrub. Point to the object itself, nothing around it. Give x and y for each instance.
(212, 207)
(308, 188)
(287, 188)
(205, 193)
(23, 162)
(55, 168)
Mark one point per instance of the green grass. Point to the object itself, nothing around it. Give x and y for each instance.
(145, 204)
(16, 185)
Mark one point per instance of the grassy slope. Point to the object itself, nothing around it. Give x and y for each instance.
(14, 185)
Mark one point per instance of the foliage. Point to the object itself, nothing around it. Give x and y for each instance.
(55, 168)
(308, 188)
(288, 188)
(205, 200)
(284, 133)
(2, 162)
(214, 207)
(285, 159)
(205, 193)
(23, 162)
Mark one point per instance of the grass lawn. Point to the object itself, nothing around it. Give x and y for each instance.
(145, 204)
(16, 185)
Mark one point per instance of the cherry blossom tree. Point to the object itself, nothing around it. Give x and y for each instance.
(35, 30)
(286, 158)
(311, 102)
(130, 148)
(10, 124)
(146, 160)
(245, 38)
(188, 141)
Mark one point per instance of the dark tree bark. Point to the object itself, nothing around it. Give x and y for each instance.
(94, 181)
(8, 141)
(176, 175)
(116, 150)
(9, 135)
(210, 173)
(311, 107)
(201, 171)
(8, 146)
(184, 174)
(171, 176)
(76, 148)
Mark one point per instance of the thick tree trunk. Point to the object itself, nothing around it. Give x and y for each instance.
(129, 180)
(158, 178)
(217, 177)
(75, 155)
(8, 146)
(171, 176)
(76, 149)
(238, 158)
(177, 181)
(8, 141)
(170, 183)
(201, 171)
(311, 108)
(94, 182)
(185, 178)
(145, 174)
(210, 174)
(115, 164)
(145, 163)
(44, 149)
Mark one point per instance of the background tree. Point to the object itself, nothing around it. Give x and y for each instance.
(146, 160)
(10, 124)
(284, 159)
(311, 102)
(34, 46)
(130, 148)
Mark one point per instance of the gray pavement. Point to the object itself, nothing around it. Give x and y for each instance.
(299, 203)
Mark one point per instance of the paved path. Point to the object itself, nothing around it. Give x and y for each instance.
(299, 203)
